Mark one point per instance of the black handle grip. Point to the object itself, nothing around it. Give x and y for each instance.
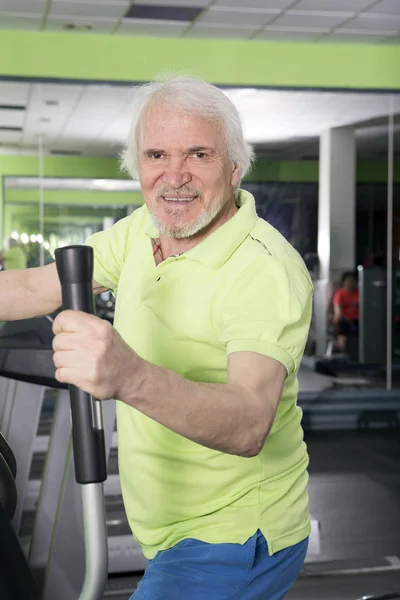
(75, 270)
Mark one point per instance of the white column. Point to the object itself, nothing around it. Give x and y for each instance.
(336, 203)
(336, 219)
(108, 222)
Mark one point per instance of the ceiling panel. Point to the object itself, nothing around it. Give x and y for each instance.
(20, 22)
(14, 93)
(88, 24)
(278, 5)
(374, 21)
(9, 137)
(333, 5)
(26, 7)
(11, 118)
(299, 18)
(51, 93)
(287, 35)
(99, 96)
(48, 111)
(386, 6)
(236, 16)
(88, 9)
(152, 27)
(199, 3)
(206, 30)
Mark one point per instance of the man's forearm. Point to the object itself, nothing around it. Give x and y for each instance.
(225, 417)
(19, 299)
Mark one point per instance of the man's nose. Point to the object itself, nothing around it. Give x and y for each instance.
(177, 173)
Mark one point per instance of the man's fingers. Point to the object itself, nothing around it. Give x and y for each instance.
(63, 375)
(66, 341)
(73, 321)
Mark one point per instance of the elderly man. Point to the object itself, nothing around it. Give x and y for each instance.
(212, 314)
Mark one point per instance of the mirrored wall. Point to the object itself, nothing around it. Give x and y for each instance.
(40, 215)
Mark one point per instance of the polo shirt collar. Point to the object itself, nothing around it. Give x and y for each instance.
(216, 248)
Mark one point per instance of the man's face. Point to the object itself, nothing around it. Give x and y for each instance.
(185, 175)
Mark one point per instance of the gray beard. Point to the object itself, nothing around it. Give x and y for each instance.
(204, 219)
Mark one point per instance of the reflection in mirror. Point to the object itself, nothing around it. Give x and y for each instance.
(66, 220)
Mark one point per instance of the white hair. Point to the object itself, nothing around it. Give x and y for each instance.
(195, 96)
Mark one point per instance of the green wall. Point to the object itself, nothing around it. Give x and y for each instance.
(226, 62)
(64, 166)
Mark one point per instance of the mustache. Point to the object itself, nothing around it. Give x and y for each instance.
(182, 191)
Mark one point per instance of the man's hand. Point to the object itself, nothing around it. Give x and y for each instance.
(90, 354)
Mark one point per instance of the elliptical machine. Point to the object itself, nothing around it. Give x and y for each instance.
(17, 582)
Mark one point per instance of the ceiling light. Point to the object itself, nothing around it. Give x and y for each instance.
(52, 103)
(24, 238)
(14, 235)
(45, 120)
(33, 238)
(39, 238)
(78, 27)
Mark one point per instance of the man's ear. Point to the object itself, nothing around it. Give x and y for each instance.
(235, 177)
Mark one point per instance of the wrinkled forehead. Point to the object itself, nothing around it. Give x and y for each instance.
(163, 124)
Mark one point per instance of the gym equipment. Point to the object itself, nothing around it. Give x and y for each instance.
(38, 429)
(367, 350)
(372, 286)
(392, 596)
(16, 579)
(87, 561)
(75, 270)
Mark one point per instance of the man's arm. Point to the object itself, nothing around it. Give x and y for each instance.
(234, 418)
(337, 306)
(29, 293)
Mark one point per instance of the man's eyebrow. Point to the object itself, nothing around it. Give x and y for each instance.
(200, 149)
(153, 151)
(192, 149)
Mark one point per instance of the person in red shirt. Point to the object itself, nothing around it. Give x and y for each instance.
(345, 310)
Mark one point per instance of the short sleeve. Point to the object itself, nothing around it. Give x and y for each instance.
(268, 310)
(109, 249)
(338, 297)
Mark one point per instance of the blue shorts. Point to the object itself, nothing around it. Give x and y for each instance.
(194, 570)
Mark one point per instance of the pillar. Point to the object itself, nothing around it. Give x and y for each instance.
(336, 203)
(336, 220)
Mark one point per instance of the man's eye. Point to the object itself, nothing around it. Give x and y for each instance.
(200, 154)
(155, 155)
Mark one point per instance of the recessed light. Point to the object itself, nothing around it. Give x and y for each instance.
(45, 120)
(78, 27)
(52, 103)
(12, 107)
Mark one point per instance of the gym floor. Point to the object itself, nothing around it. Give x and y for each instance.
(336, 587)
(355, 495)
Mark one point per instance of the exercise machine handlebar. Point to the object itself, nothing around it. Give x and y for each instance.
(75, 271)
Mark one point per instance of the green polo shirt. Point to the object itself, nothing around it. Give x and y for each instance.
(242, 288)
